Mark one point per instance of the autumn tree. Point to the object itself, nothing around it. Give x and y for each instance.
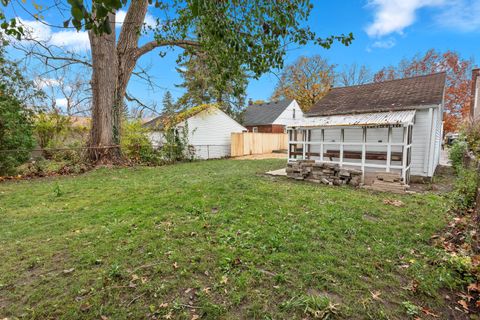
(354, 74)
(307, 80)
(458, 81)
(230, 35)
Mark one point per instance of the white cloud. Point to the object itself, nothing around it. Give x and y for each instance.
(43, 83)
(68, 39)
(150, 20)
(385, 44)
(392, 16)
(76, 41)
(61, 102)
(462, 15)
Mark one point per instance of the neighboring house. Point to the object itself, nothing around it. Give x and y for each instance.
(272, 117)
(475, 106)
(209, 131)
(393, 126)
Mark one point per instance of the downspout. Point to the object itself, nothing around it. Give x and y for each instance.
(433, 138)
(428, 145)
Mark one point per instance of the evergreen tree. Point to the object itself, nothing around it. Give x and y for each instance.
(169, 107)
(202, 86)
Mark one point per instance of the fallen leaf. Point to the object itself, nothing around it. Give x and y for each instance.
(85, 306)
(163, 305)
(195, 317)
(376, 295)
(67, 271)
(224, 280)
(395, 203)
(175, 265)
(135, 277)
(188, 290)
(429, 312)
(206, 290)
(473, 287)
(168, 315)
(463, 303)
(104, 317)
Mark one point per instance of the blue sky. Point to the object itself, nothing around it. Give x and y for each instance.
(385, 32)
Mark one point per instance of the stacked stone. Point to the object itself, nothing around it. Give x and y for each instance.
(325, 173)
(391, 182)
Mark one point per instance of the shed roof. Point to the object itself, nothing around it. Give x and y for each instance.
(371, 119)
(159, 122)
(265, 113)
(393, 95)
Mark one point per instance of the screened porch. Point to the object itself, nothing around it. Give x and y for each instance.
(370, 142)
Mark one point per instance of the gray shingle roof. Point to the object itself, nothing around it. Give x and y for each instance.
(394, 95)
(264, 113)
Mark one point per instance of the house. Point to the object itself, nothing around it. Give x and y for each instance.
(271, 117)
(392, 126)
(208, 131)
(475, 105)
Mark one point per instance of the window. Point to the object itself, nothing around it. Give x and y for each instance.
(293, 113)
(255, 129)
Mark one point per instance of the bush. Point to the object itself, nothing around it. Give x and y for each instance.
(135, 143)
(175, 146)
(51, 130)
(15, 134)
(463, 195)
(471, 131)
(456, 153)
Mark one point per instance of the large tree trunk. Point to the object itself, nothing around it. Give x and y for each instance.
(127, 55)
(112, 66)
(103, 147)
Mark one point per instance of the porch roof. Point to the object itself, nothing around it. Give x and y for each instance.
(358, 120)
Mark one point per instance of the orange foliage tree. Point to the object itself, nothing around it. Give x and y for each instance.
(458, 83)
(307, 80)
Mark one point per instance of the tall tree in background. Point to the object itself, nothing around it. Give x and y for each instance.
(229, 34)
(169, 107)
(354, 75)
(307, 80)
(201, 88)
(458, 83)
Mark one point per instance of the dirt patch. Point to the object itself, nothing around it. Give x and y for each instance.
(442, 182)
(262, 156)
(333, 297)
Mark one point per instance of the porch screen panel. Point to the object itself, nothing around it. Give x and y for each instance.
(353, 135)
(332, 135)
(315, 139)
(377, 135)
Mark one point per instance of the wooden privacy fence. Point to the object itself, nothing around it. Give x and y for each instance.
(246, 143)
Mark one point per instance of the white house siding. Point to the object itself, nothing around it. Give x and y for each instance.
(209, 132)
(286, 117)
(156, 139)
(425, 152)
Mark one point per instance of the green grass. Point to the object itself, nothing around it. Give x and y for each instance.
(215, 239)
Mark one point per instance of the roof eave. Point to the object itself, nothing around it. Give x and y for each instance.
(373, 110)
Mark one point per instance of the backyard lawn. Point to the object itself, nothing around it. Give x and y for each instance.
(216, 240)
